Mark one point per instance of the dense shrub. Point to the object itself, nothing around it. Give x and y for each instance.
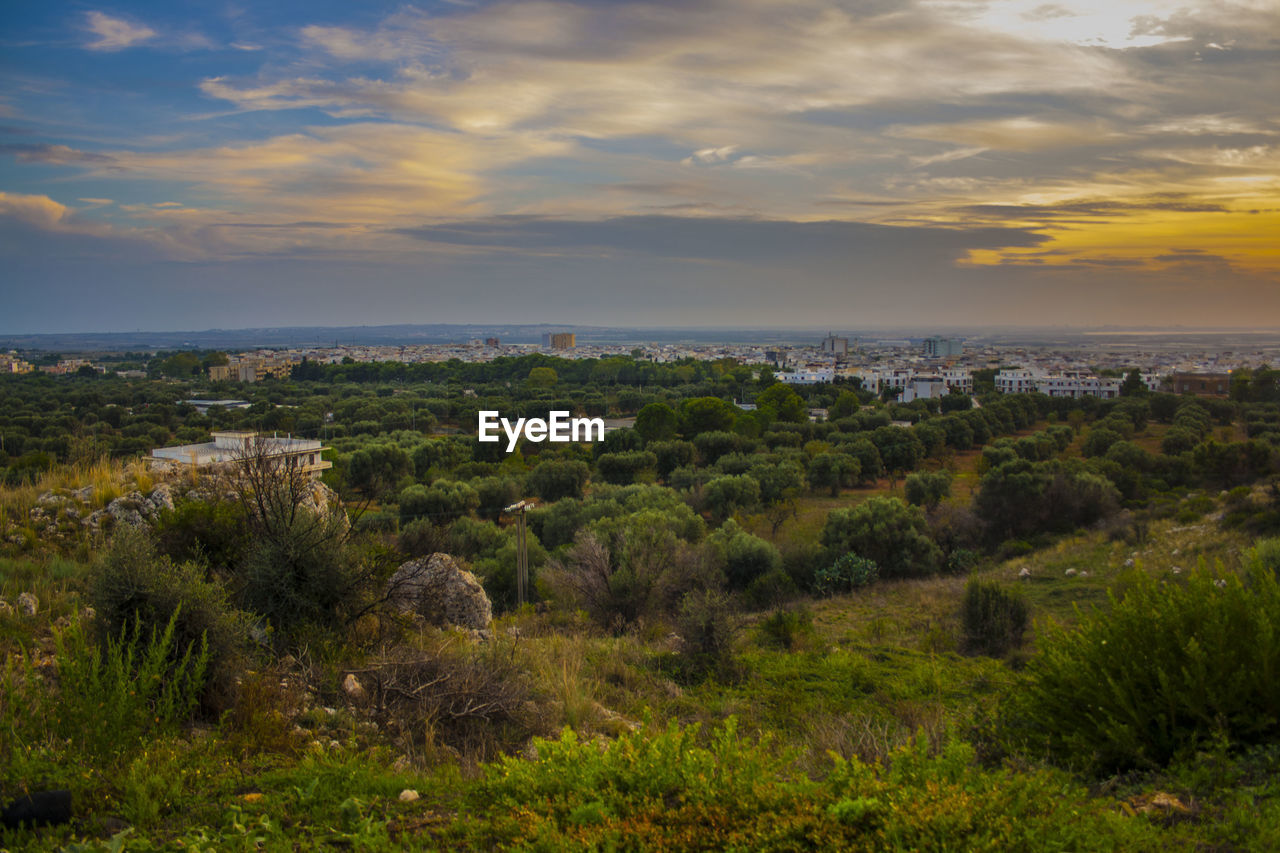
(927, 488)
(136, 684)
(787, 629)
(707, 625)
(745, 557)
(302, 574)
(204, 531)
(133, 588)
(1170, 667)
(884, 530)
(556, 479)
(993, 618)
(846, 574)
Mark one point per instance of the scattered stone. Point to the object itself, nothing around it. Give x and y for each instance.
(1070, 573)
(408, 795)
(1084, 574)
(1220, 583)
(88, 614)
(50, 499)
(614, 720)
(354, 689)
(1128, 564)
(6, 609)
(333, 744)
(1177, 570)
(442, 592)
(83, 495)
(28, 604)
(161, 497)
(1160, 802)
(1025, 573)
(128, 509)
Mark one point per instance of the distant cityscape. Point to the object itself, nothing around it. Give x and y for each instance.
(908, 368)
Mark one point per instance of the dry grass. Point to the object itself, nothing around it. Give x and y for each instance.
(109, 478)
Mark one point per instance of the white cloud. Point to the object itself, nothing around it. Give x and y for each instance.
(115, 33)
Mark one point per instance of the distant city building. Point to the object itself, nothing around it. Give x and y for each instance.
(10, 363)
(838, 347)
(253, 368)
(942, 348)
(202, 406)
(806, 377)
(232, 446)
(1079, 385)
(924, 388)
(1017, 380)
(71, 365)
(1200, 384)
(559, 340)
(1070, 384)
(475, 342)
(491, 342)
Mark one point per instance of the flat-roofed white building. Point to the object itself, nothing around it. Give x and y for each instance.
(234, 445)
(806, 377)
(924, 388)
(1019, 380)
(958, 380)
(1078, 385)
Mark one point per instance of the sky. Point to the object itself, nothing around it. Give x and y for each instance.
(941, 163)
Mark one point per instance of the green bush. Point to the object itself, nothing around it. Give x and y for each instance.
(887, 531)
(139, 683)
(212, 532)
(708, 626)
(845, 575)
(1169, 668)
(787, 629)
(302, 574)
(993, 618)
(130, 585)
(109, 697)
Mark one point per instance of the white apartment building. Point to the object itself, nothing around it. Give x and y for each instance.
(234, 445)
(924, 388)
(1071, 384)
(1078, 385)
(1019, 380)
(806, 377)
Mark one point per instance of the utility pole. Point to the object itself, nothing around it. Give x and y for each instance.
(522, 551)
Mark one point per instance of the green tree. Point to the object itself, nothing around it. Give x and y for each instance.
(1133, 386)
(706, 414)
(558, 478)
(543, 377)
(831, 471)
(727, 495)
(886, 531)
(784, 403)
(927, 488)
(657, 422)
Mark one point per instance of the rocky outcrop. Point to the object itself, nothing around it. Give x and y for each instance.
(441, 592)
(134, 509)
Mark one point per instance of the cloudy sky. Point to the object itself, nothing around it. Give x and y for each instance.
(183, 165)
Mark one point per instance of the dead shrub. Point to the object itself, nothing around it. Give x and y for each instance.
(473, 700)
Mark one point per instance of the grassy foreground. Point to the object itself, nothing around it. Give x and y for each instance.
(844, 723)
